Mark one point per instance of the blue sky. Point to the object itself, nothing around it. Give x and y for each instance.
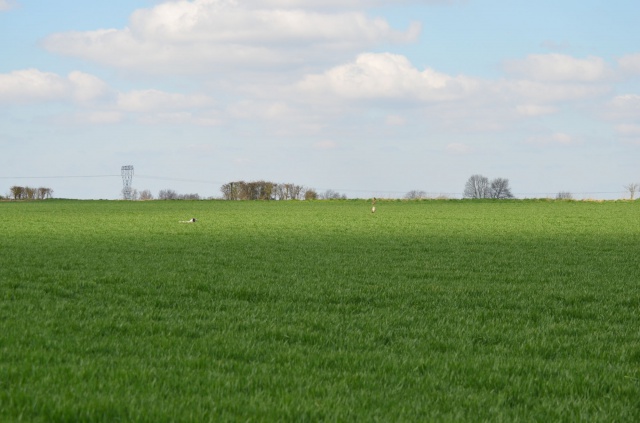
(364, 97)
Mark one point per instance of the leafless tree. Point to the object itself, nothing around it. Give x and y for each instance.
(477, 186)
(500, 189)
(288, 191)
(145, 195)
(415, 195)
(332, 195)
(167, 194)
(564, 195)
(632, 188)
(230, 191)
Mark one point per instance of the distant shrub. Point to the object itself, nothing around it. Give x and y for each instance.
(564, 195)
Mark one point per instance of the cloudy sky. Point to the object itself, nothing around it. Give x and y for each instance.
(364, 97)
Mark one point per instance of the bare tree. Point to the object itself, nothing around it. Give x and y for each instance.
(289, 191)
(415, 195)
(230, 191)
(167, 194)
(632, 188)
(145, 195)
(564, 195)
(477, 186)
(500, 189)
(332, 195)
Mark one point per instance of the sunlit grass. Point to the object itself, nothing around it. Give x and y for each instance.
(426, 310)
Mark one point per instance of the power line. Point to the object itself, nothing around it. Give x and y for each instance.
(58, 177)
(164, 178)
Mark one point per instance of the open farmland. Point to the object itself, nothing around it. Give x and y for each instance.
(294, 311)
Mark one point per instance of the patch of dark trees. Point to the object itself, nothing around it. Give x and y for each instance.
(29, 193)
(266, 190)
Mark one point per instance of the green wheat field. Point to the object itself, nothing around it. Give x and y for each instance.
(436, 310)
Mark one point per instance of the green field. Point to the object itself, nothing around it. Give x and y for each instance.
(319, 311)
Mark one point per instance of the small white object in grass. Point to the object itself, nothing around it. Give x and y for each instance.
(373, 209)
(192, 220)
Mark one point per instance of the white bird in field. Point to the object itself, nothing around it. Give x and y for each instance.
(192, 220)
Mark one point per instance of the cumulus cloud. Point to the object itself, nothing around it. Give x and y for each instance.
(535, 110)
(204, 35)
(86, 87)
(99, 117)
(630, 63)
(395, 120)
(556, 138)
(559, 68)
(387, 76)
(157, 101)
(629, 130)
(458, 148)
(32, 85)
(624, 107)
(323, 4)
(6, 5)
(545, 92)
(325, 145)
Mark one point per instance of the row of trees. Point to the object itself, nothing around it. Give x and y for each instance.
(29, 193)
(241, 190)
(266, 190)
(164, 194)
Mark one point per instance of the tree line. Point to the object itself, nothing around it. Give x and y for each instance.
(266, 190)
(29, 193)
(163, 194)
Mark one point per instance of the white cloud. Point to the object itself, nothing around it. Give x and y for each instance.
(322, 4)
(32, 85)
(204, 35)
(632, 130)
(556, 138)
(395, 120)
(625, 106)
(100, 117)
(630, 63)
(545, 92)
(24, 86)
(535, 110)
(458, 148)
(387, 76)
(87, 87)
(156, 101)
(6, 5)
(559, 68)
(325, 145)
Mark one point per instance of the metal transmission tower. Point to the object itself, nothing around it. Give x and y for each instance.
(127, 177)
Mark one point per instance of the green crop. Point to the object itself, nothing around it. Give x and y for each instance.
(319, 311)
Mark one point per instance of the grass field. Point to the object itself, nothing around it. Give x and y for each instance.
(319, 311)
